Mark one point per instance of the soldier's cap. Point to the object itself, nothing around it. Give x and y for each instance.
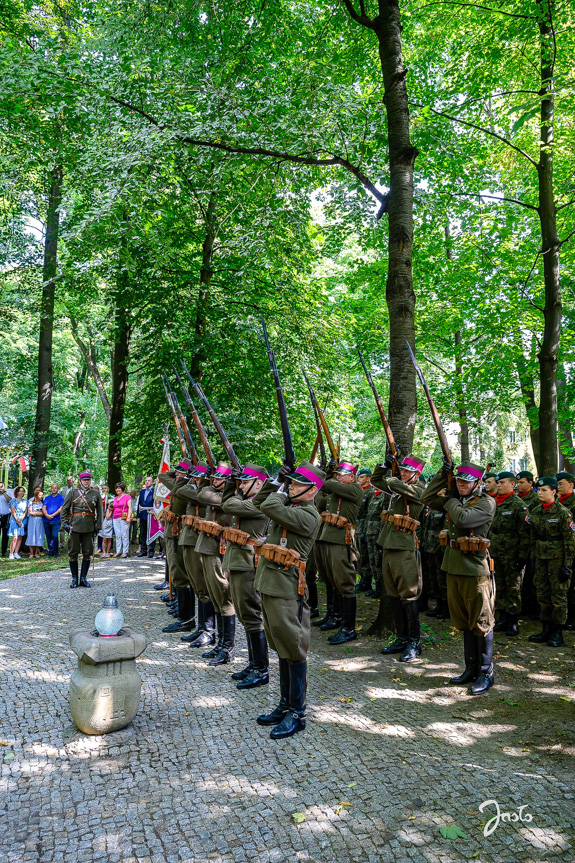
(551, 481)
(364, 470)
(308, 474)
(525, 474)
(490, 475)
(564, 475)
(199, 469)
(254, 471)
(223, 470)
(85, 475)
(469, 472)
(506, 474)
(346, 467)
(412, 462)
(183, 467)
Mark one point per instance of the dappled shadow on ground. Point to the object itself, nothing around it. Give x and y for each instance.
(391, 753)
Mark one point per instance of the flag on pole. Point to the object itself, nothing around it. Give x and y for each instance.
(23, 462)
(161, 496)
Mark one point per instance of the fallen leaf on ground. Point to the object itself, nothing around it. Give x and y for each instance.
(352, 784)
(452, 832)
(298, 817)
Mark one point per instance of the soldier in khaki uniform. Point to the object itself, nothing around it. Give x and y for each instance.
(553, 542)
(470, 588)
(401, 564)
(243, 541)
(82, 510)
(364, 480)
(566, 489)
(341, 498)
(294, 525)
(210, 549)
(175, 480)
(204, 635)
(509, 535)
(527, 494)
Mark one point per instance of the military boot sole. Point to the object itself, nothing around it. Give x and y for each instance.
(252, 681)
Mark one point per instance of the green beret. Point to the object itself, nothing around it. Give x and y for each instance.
(488, 475)
(525, 474)
(364, 470)
(506, 474)
(546, 480)
(564, 475)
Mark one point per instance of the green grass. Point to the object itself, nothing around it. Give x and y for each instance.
(12, 568)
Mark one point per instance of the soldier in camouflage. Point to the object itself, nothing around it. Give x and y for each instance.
(509, 535)
(566, 489)
(528, 495)
(553, 542)
(490, 481)
(363, 478)
(435, 523)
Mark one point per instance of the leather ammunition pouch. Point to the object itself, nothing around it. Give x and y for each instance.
(404, 523)
(239, 537)
(212, 528)
(470, 544)
(172, 519)
(384, 515)
(444, 538)
(337, 520)
(286, 557)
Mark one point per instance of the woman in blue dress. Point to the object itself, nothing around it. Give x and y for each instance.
(16, 529)
(36, 532)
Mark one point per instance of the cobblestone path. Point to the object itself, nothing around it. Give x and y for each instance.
(390, 755)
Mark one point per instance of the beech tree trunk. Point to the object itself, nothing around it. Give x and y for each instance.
(88, 355)
(549, 352)
(119, 368)
(39, 454)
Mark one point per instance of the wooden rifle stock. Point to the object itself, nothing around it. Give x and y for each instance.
(382, 416)
(175, 416)
(318, 410)
(198, 423)
(184, 425)
(319, 440)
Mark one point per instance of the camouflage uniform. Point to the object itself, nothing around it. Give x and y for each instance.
(435, 522)
(364, 565)
(529, 604)
(376, 504)
(553, 541)
(569, 503)
(509, 535)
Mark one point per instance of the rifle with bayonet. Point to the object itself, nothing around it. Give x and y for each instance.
(289, 453)
(184, 424)
(318, 411)
(171, 404)
(217, 424)
(383, 417)
(195, 416)
(435, 416)
(319, 440)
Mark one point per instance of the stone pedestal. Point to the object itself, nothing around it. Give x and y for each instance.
(105, 688)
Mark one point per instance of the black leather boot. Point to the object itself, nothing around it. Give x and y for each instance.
(398, 646)
(556, 637)
(434, 611)
(471, 672)
(364, 584)
(294, 720)
(347, 631)
(312, 600)
(165, 597)
(376, 592)
(259, 674)
(512, 628)
(243, 673)
(142, 552)
(84, 570)
(163, 586)
(226, 653)
(207, 636)
(443, 610)
(219, 638)
(485, 653)
(74, 571)
(544, 635)
(570, 624)
(413, 647)
(501, 624)
(280, 711)
(185, 622)
(191, 636)
(333, 617)
(329, 612)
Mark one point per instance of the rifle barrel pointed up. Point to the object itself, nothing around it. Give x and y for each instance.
(286, 433)
(169, 399)
(382, 415)
(318, 410)
(198, 423)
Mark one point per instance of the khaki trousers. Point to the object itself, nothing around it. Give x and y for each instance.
(195, 572)
(401, 570)
(285, 633)
(247, 601)
(217, 583)
(471, 603)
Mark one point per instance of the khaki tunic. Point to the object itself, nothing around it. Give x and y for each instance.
(83, 511)
(188, 538)
(334, 557)
(174, 552)
(208, 547)
(285, 632)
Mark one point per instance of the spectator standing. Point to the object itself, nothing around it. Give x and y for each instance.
(5, 497)
(16, 529)
(52, 521)
(145, 506)
(36, 534)
(122, 516)
(134, 522)
(107, 531)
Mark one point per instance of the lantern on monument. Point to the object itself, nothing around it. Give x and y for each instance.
(109, 619)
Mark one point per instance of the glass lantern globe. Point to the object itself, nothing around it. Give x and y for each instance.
(109, 619)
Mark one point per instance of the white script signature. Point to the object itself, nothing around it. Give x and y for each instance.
(499, 816)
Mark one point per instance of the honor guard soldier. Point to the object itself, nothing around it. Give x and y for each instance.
(172, 514)
(210, 546)
(401, 563)
(566, 489)
(364, 480)
(470, 588)
(341, 501)
(509, 535)
(553, 543)
(490, 482)
(280, 579)
(204, 634)
(244, 540)
(82, 510)
(528, 495)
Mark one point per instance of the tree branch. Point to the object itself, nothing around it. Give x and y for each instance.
(478, 128)
(93, 368)
(358, 17)
(496, 198)
(478, 6)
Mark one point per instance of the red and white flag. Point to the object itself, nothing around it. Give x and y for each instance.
(161, 496)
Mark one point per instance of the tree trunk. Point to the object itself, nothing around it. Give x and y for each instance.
(400, 296)
(39, 453)
(78, 435)
(119, 368)
(199, 355)
(89, 358)
(548, 354)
